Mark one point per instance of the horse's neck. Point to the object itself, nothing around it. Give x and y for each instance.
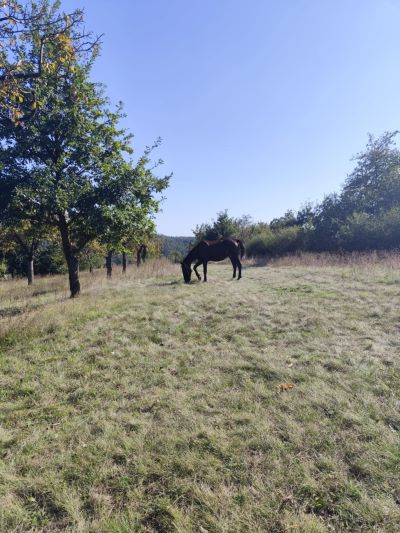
(191, 256)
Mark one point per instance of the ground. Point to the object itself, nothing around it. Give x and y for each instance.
(151, 405)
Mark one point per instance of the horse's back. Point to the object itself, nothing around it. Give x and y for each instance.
(217, 250)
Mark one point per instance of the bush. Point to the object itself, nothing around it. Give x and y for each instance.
(3, 269)
(359, 232)
(279, 242)
(258, 246)
(390, 224)
(366, 232)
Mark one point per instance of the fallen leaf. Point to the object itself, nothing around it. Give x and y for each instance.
(285, 386)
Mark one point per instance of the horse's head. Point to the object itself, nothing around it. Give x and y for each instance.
(187, 272)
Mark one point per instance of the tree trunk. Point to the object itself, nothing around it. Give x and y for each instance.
(71, 258)
(73, 272)
(124, 262)
(109, 264)
(30, 271)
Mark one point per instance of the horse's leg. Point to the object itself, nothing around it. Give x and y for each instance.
(195, 269)
(233, 261)
(205, 270)
(239, 264)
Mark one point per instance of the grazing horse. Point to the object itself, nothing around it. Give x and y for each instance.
(213, 251)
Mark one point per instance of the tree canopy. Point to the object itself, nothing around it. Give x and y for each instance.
(36, 40)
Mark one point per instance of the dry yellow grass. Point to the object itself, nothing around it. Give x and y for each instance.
(380, 259)
(151, 405)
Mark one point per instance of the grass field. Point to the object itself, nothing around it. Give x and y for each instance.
(151, 405)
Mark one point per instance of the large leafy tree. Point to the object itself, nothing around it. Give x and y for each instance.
(374, 185)
(36, 39)
(68, 167)
(127, 219)
(327, 220)
(365, 215)
(22, 237)
(224, 226)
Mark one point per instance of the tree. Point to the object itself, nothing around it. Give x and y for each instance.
(305, 216)
(92, 256)
(126, 213)
(36, 39)
(68, 167)
(26, 237)
(224, 226)
(327, 221)
(25, 232)
(288, 219)
(374, 185)
(364, 215)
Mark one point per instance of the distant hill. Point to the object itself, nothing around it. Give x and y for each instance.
(170, 245)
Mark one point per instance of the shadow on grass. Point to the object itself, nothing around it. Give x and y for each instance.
(10, 311)
(255, 371)
(173, 283)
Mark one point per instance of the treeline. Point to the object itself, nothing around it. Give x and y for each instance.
(71, 194)
(364, 215)
(175, 248)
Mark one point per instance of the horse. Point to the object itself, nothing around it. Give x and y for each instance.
(213, 251)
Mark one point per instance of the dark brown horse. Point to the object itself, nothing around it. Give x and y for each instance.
(213, 251)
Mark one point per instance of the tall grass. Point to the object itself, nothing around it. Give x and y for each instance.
(381, 259)
(26, 309)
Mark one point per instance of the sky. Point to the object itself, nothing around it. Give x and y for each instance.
(261, 104)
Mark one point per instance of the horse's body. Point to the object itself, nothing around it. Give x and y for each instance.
(213, 251)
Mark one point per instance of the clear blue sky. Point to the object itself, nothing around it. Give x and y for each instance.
(260, 103)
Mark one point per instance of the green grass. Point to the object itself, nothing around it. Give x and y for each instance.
(151, 405)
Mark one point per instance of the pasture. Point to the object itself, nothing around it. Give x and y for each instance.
(151, 405)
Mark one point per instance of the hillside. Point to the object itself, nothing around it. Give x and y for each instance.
(170, 245)
(151, 405)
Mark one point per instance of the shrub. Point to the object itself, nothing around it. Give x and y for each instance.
(258, 246)
(359, 232)
(362, 231)
(274, 243)
(3, 269)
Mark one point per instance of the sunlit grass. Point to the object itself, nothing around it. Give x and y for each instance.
(151, 405)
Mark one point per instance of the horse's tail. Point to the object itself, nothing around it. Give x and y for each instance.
(241, 248)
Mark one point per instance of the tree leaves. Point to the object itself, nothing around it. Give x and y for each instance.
(47, 40)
